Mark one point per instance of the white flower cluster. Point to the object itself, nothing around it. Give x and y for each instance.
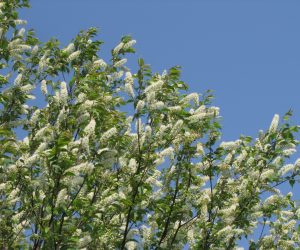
(188, 98)
(175, 108)
(27, 87)
(17, 47)
(199, 149)
(44, 87)
(35, 116)
(69, 49)
(18, 79)
(154, 86)
(90, 128)
(63, 92)
(129, 84)
(129, 44)
(83, 242)
(177, 126)
(157, 105)
(167, 152)
(139, 106)
(20, 22)
(120, 62)
(231, 145)
(61, 116)
(274, 123)
(85, 168)
(41, 132)
(74, 56)
(117, 49)
(154, 179)
(285, 169)
(43, 62)
(132, 165)
(289, 151)
(21, 32)
(61, 197)
(201, 114)
(108, 134)
(100, 63)
(35, 49)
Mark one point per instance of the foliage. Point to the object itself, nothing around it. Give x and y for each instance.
(123, 160)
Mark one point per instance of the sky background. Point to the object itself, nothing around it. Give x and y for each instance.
(248, 52)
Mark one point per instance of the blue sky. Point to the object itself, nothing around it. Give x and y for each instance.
(248, 52)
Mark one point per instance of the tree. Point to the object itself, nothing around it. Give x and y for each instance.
(121, 160)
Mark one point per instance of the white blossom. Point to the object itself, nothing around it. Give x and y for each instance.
(84, 241)
(26, 141)
(129, 44)
(167, 152)
(274, 123)
(63, 92)
(231, 145)
(175, 108)
(21, 32)
(31, 97)
(99, 63)
(289, 151)
(271, 200)
(197, 117)
(117, 49)
(154, 86)
(35, 49)
(188, 98)
(85, 143)
(90, 128)
(130, 245)
(158, 105)
(69, 49)
(42, 62)
(242, 156)
(108, 134)
(128, 78)
(199, 149)
(120, 63)
(129, 89)
(85, 168)
(81, 97)
(18, 79)
(132, 165)
(41, 132)
(24, 47)
(27, 87)
(20, 22)
(14, 44)
(61, 197)
(140, 105)
(41, 147)
(177, 126)
(148, 131)
(61, 116)
(74, 55)
(44, 87)
(285, 169)
(3, 186)
(267, 174)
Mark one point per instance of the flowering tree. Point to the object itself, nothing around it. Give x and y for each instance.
(114, 159)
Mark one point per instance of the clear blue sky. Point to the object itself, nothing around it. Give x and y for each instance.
(248, 52)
